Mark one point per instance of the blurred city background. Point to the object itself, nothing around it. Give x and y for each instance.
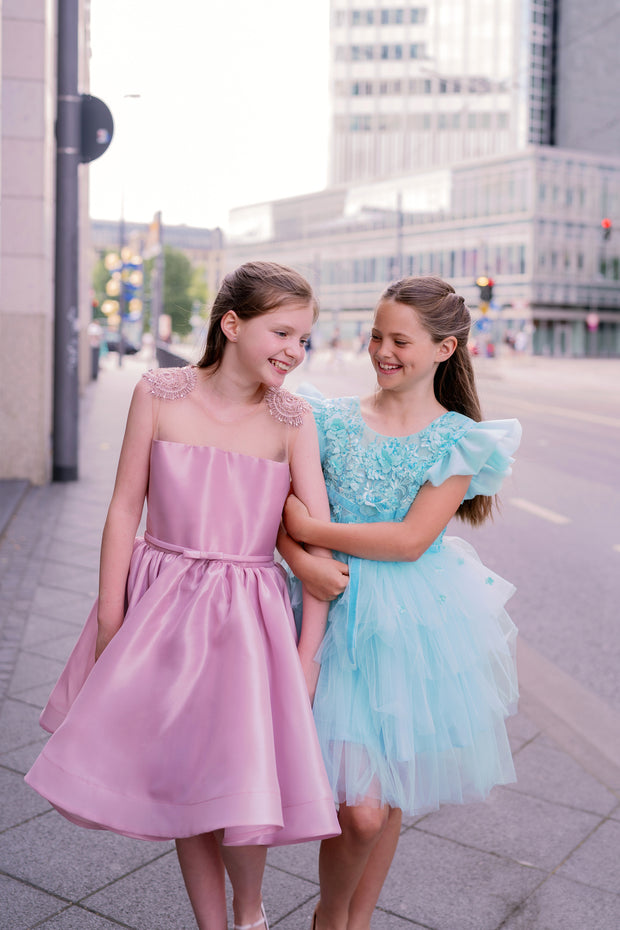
(477, 141)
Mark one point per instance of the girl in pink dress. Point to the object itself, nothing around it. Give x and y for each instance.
(183, 711)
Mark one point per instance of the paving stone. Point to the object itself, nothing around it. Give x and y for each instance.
(24, 906)
(528, 830)
(41, 629)
(562, 905)
(595, 862)
(19, 724)
(71, 578)
(56, 856)
(301, 859)
(59, 648)
(520, 731)
(61, 605)
(75, 554)
(19, 802)
(32, 670)
(151, 898)
(20, 760)
(78, 918)
(543, 771)
(443, 887)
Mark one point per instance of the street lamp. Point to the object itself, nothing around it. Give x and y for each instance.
(122, 247)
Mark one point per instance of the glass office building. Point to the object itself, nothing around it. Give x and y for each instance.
(467, 138)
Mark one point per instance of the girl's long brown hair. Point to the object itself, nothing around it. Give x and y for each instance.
(443, 313)
(252, 289)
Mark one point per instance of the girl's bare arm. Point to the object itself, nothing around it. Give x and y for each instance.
(309, 487)
(404, 541)
(124, 515)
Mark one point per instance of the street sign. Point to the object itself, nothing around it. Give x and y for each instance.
(96, 127)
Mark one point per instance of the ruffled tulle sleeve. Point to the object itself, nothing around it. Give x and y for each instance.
(485, 451)
(318, 403)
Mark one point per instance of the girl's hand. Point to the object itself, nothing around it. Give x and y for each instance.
(324, 578)
(296, 517)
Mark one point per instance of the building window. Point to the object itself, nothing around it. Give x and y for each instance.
(416, 50)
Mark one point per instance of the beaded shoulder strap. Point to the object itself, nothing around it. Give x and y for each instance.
(286, 407)
(171, 383)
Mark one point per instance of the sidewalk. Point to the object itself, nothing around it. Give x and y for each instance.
(538, 855)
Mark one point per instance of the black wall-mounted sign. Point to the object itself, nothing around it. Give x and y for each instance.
(97, 127)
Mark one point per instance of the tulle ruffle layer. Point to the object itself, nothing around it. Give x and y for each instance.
(417, 677)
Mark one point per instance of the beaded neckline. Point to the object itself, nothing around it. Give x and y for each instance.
(175, 383)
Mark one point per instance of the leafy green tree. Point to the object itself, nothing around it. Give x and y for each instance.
(178, 274)
(198, 291)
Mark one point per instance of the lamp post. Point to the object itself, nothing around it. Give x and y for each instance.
(122, 246)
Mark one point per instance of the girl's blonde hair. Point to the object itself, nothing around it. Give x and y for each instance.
(252, 289)
(443, 313)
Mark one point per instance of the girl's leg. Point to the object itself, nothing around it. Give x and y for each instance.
(245, 866)
(343, 860)
(369, 887)
(203, 874)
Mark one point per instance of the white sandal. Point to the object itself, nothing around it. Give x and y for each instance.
(262, 921)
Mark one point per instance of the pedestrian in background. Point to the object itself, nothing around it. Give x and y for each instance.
(417, 665)
(183, 711)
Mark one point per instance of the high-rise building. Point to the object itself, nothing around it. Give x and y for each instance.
(470, 139)
(420, 83)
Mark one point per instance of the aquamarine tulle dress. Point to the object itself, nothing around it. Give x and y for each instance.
(418, 666)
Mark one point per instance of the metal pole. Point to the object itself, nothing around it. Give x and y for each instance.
(65, 415)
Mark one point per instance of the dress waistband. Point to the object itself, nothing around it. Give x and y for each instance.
(209, 556)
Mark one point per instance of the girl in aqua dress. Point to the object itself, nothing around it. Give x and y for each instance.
(183, 711)
(417, 670)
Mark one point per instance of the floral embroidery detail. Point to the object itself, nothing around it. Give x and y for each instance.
(287, 407)
(489, 580)
(442, 598)
(371, 477)
(171, 383)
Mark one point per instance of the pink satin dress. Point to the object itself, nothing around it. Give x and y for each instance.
(196, 716)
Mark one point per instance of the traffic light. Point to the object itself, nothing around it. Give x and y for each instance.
(486, 288)
(606, 226)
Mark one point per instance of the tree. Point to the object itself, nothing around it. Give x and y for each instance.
(178, 276)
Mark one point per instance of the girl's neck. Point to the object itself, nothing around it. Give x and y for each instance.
(401, 413)
(230, 389)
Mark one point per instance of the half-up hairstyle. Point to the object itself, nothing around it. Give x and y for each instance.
(443, 313)
(250, 290)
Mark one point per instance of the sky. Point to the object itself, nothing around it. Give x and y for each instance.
(232, 106)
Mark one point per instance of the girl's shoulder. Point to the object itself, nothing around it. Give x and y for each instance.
(286, 407)
(171, 383)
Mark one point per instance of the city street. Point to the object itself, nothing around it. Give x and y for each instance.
(538, 855)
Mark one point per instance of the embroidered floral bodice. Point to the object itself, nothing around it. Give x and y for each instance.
(371, 477)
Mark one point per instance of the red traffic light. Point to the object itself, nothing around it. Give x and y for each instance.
(606, 223)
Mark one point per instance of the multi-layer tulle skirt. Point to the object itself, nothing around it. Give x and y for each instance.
(418, 675)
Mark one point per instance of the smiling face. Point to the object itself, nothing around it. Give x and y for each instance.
(401, 349)
(270, 345)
